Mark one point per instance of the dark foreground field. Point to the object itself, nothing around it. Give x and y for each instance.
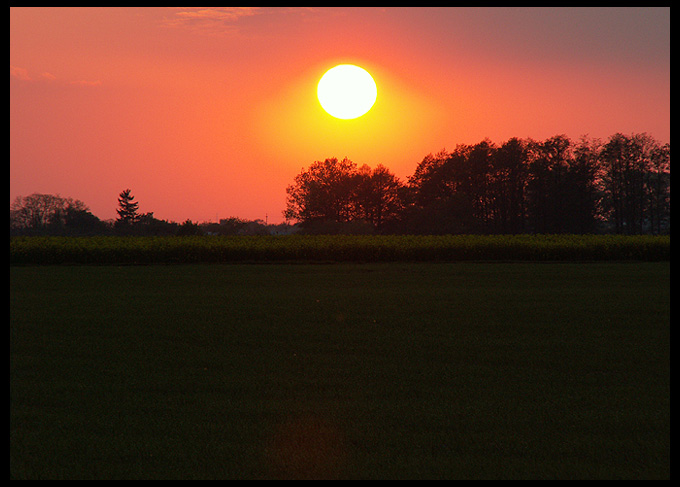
(375, 371)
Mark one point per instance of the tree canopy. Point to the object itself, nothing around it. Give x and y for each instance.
(337, 191)
(557, 185)
(550, 186)
(42, 214)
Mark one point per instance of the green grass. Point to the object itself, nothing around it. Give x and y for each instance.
(375, 371)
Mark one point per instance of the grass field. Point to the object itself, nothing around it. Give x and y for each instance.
(373, 371)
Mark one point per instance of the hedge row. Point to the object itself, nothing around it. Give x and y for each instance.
(207, 249)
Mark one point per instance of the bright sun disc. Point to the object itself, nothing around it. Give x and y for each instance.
(347, 91)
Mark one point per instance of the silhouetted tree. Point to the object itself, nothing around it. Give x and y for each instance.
(324, 192)
(189, 228)
(231, 226)
(378, 196)
(637, 178)
(550, 186)
(547, 184)
(148, 224)
(439, 199)
(659, 188)
(507, 187)
(522, 185)
(478, 168)
(584, 194)
(338, 197)
(432, 179)
(127, 209)
(43, 214)
(79, 221)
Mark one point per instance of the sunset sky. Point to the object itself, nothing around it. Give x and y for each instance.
(210, 113)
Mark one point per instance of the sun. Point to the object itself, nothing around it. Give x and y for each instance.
(347, 91)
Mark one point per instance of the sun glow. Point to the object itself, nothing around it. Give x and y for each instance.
(347, 91)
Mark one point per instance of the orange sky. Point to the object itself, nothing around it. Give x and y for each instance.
(210, 113)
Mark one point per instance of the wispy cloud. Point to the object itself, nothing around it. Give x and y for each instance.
(22, 74)
(19, 73)
(224, 20)
(215, 13)
(213, 20)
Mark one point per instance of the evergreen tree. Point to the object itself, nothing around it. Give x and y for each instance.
(127, 208)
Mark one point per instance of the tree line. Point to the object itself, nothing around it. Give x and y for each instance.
(46, 214)
(557, 185)
(521, 186)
